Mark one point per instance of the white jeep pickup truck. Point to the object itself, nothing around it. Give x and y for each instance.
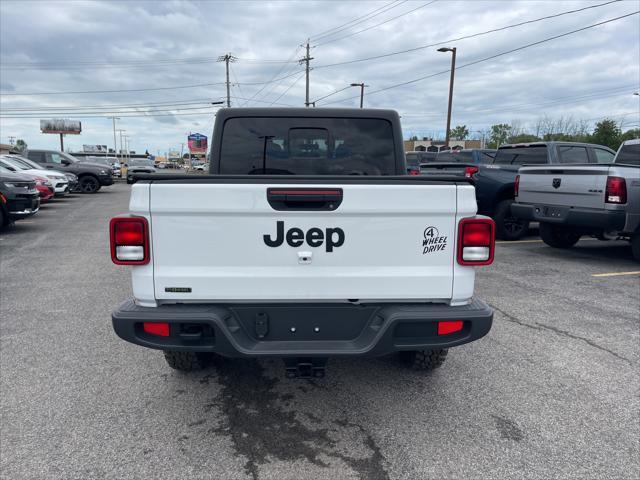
(315, 244)
(570, 201)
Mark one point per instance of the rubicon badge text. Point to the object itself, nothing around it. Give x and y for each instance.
(315, 237)
(433, 241)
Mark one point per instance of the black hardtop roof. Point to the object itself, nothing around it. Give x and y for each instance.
(385, 114)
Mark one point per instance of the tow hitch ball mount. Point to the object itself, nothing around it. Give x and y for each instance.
(305, 367)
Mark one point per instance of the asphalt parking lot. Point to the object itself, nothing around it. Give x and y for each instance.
(551, 392)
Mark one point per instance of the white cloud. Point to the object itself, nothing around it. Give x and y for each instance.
(603, 62)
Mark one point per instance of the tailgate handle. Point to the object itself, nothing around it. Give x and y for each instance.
(315, 199)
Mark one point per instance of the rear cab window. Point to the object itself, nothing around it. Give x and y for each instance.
(573, 154)
(521, 155)
(629, 154)
(307, 146)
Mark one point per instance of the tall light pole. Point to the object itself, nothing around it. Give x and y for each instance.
(453, 70)
(115, 145)
(120, 130)
(361, 85)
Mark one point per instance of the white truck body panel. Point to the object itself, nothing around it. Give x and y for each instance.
(209, 238)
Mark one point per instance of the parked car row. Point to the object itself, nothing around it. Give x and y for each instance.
(567, 187)
(28, 181)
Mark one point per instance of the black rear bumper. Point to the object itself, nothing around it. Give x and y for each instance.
(587, 219)
(309, 330)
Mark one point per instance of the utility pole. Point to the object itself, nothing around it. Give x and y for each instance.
(361, 85)
(120, 130)
(306, 59)
(61, 142)
(226, 59)
(453, 71)
(115, 144)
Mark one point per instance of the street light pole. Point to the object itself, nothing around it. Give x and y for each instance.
(361, 85)
(453, 70)
(115, 145)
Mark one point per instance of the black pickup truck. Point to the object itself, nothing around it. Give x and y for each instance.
(496, 182)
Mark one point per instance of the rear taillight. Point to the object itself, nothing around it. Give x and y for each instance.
(469, 172)
(476, 241)
(449, 326)
(160, 329)
(616, 191)
(414, 172)
(516, 187)
(129, 240)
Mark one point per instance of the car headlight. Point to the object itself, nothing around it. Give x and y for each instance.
(12, 185)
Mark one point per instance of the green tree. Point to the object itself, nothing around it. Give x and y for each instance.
(523, 138)
(607, 133)
(499, 134)
(630, 135)
(460, 132)
(21, 145)
(413, 138)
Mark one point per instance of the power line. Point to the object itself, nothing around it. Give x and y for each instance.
(74, 65)
(295, 52)
(142, 89)
(357, 20)
(422, 47)
(101, 107)
(129, 116)
(548, 39)
(263, 101)
(376, 25)
(288, 88)
(36, 114)
(333, 93)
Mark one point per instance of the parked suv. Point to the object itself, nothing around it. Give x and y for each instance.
(91, 176)
(18, 197)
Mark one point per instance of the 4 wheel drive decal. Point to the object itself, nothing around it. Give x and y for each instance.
(315, 237)
(433, 242)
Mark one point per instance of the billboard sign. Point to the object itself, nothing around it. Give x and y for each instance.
(95, 149)
(197, 143)
(61, 126)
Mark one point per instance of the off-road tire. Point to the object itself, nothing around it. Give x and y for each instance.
(187, 361)
(557, 236)
(88, 184)
(425, 360)
(507, 226)
(635, 246)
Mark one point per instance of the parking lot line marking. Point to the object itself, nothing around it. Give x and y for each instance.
(615, 274)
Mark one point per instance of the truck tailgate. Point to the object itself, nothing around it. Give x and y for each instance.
(384, 241)
(579, 186)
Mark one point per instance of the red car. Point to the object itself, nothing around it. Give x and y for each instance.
(44, 187)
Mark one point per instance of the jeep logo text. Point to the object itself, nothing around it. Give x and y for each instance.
(315, 237)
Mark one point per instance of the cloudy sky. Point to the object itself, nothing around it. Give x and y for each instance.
(153, 64)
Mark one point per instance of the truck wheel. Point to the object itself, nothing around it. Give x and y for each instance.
(425, 360)
(635, 246)
(187, 361)
(558, 237)
(509, 227)
(89, 184)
